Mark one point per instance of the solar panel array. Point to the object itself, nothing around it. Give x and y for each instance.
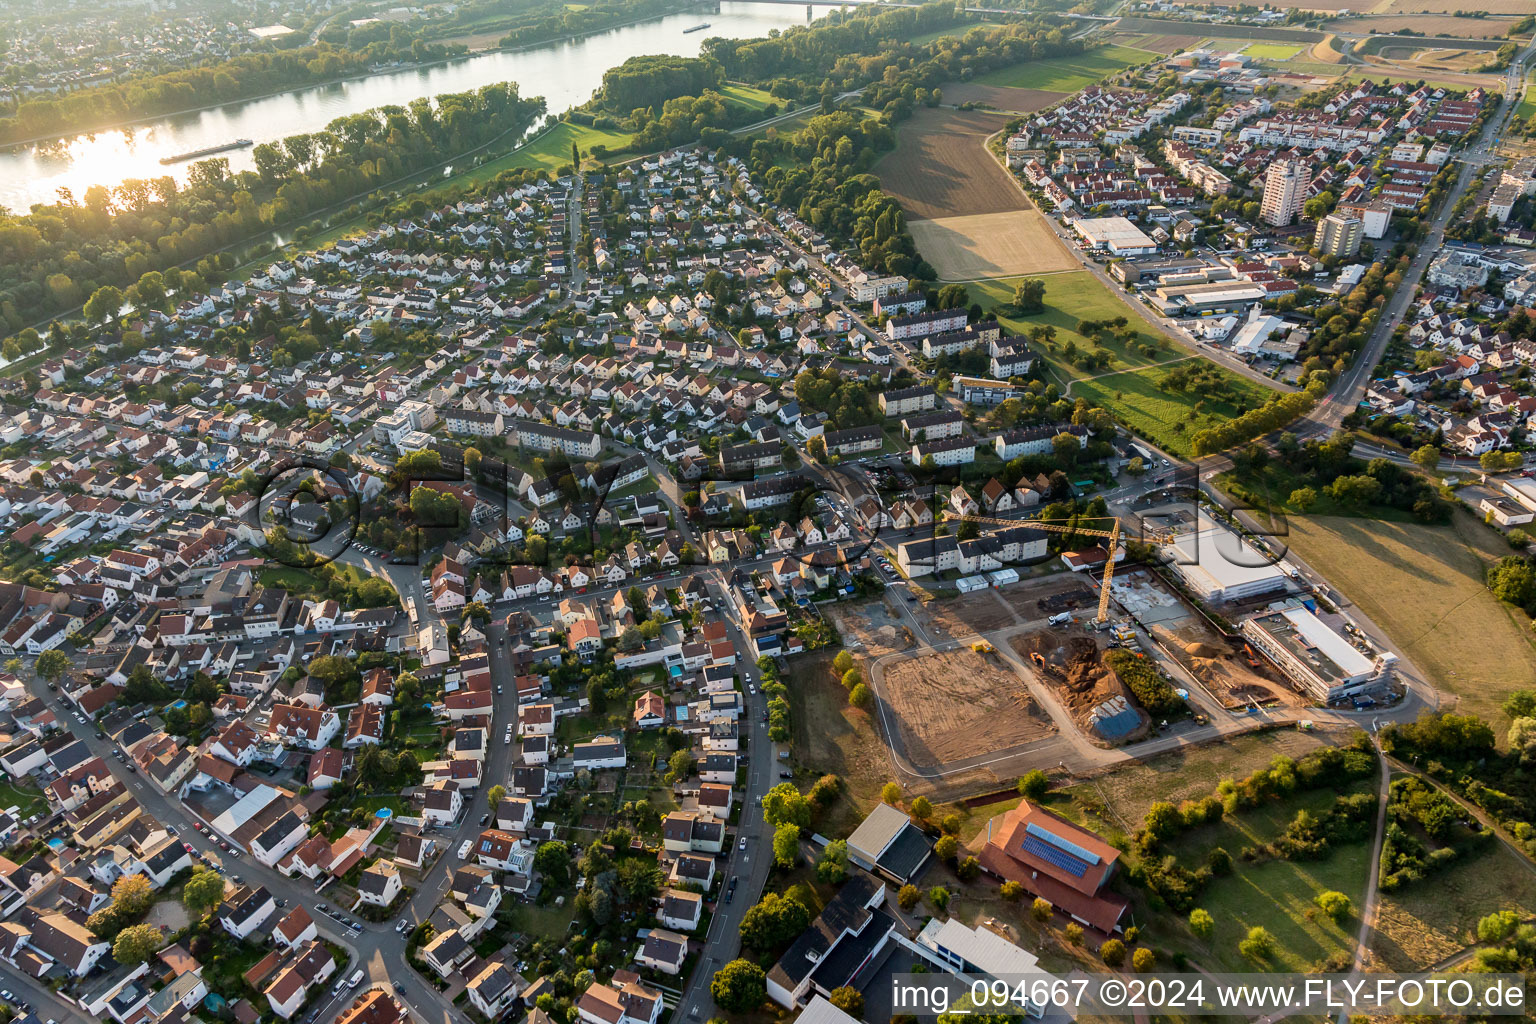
(1051, 855)
(1086, 856)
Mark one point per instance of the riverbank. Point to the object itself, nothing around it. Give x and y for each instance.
(469, 55)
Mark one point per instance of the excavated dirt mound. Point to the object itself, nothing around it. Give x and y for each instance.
(1073, 666)
(1225, 671)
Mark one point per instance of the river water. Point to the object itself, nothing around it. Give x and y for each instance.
(565, 74)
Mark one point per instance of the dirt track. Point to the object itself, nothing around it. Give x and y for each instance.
(960, 704)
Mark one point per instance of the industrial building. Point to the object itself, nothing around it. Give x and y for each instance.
(1216, 564)
(1205, 297)
(1115, 235)
(1319, 660)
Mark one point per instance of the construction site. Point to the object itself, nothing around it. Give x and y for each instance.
(957, 705)
(1072, 665)
(1231, 673)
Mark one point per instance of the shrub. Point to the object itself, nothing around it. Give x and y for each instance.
(1150, 688)
(1259, 945)
(1042, 909)
(1334, 903)
(1143, 960)
(1201, 922)
(1074, 934)
(1112, 952)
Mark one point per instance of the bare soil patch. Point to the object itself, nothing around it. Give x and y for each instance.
(1073, 666)
(1232, 674)
(960, 704)
(876, 625)
(1515, 7)
(979, 612)
(1003, 97)
(980, 247)
(941, 168)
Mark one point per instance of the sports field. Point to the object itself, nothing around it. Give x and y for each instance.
(1424, 586)
(1068, 74)
(1272, 51)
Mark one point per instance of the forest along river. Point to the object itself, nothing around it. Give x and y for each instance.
(564, 73)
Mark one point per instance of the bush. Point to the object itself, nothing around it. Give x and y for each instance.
(1201, 922)
(1010, 891)
(1143, 960)
(1258, 946)
(1150, 688)
(1074, 933)
(1112, 952)
(908, 896)
(1042, 909)
(1034, 784)
(1334, 903)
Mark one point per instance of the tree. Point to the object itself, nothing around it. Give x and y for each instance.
(1426, 458)
(103, 304)
(131, 896)
(1520, 704)
(777, 919)
(786, 845)
(922, 810)
(1302, 499)
(1011, 891)
(1112, 952)
(135, 944)
(1201, 922)
(1033, 784)
(739, 987)
(1029, 296)
(1073, 933)
(853, 677)
(203, 891)
(52, 664)
(1143, 960)
(1041, 910)
(1334, 903)
(832, 869)
(890, 793)
(907, 896)
(1522, 739)
(1498, 927)
(784, 804)
(495, 795)
(553, 860)
(679, 766)
(842, 663)
(939, 897)
(946, 848)
(1259, 945)
(848, 999)
(861, 697)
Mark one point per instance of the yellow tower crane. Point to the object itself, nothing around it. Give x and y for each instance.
(1054, 526)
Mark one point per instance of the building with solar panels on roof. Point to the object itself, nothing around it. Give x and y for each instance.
(889, 845)
(1061, 863)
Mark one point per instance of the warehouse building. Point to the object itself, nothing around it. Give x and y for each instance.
(1316, 658)
(1217, 565)
(1115, 235)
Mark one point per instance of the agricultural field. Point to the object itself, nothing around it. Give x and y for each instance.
(1426, 24)
(1359, 6)
(1527, 106)
(990, 245)
(1068, 74)
(999, 97)
(1157, 43)
(1454, 631)
(1430, 920)
(1515, 7)
(1129, 386)
(941, 167)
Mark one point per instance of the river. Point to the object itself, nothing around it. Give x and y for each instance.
(565, 74)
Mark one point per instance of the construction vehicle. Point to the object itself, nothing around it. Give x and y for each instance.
(1055, 526)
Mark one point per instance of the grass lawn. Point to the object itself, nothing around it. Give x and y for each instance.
(1272, 51)
(1527, 105)
(1424, 586)
(1068, 74)
(1136, 398)
(1132, 390)
(750, 97)
(26, 799)
(540, 922)
(1116, 804)
(832, 738)
(549, 152)
(1276, 894)
(1423, 923)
